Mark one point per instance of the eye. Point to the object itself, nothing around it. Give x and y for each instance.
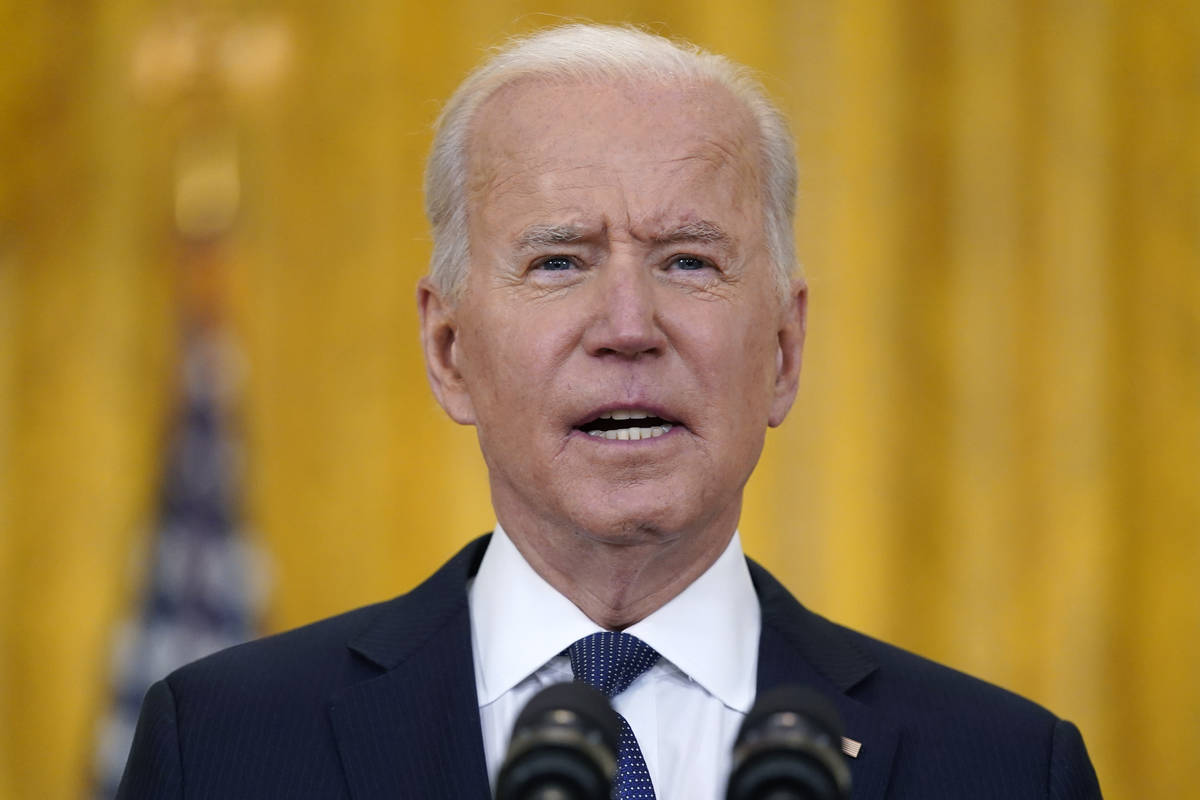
(554, 264)
(688, 263)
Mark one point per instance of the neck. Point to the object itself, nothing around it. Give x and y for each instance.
(618, 581)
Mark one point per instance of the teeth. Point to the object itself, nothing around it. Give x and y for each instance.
(626, 414)
(632, 434)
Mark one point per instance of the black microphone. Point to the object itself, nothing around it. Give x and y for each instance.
(563, 747)
(789, 748)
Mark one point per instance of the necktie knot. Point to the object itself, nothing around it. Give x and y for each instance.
(610, 661)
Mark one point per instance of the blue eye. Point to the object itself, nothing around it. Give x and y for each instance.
(689, 262)
(555, 264)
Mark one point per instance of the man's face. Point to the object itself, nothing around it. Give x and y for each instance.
(618, 269)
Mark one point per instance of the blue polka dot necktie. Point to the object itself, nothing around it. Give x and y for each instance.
(610, 662)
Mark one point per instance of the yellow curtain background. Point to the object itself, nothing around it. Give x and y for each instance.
(995, 457)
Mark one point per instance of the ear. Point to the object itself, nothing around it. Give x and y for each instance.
(791, 348)
(439, 343)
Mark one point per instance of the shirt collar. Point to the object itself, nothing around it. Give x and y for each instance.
(709, 631)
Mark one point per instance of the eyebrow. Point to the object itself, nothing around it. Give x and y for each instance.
(699, 231)
(542, 235)
(538, 236)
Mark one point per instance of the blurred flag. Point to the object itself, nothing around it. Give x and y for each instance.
(204, 583)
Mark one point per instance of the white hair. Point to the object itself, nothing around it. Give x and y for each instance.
(585, 52)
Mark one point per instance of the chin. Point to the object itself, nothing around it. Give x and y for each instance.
(631, 523)
(626, 532)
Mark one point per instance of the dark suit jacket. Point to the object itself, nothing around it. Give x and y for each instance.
(380, 703)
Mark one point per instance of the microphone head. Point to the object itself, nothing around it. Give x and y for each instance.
(789, 748)
(564, 745)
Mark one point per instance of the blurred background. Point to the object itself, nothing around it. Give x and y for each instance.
(214, 419)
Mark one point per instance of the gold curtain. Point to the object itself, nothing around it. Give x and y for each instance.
(995, 457)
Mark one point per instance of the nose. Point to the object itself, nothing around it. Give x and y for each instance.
(624, 318)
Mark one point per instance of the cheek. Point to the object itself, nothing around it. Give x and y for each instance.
(738, 351)
(484, 361)
(748, 377)
(508, 364)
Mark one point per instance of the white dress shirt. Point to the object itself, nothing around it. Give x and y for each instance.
(685, 710)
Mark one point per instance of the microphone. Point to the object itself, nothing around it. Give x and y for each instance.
(563, 747)
(789, 748)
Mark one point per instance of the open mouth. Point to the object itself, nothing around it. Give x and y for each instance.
(627, 425)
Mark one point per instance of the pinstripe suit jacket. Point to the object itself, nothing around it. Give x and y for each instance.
(380, 703)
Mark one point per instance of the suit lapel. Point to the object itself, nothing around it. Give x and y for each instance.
(800, 647)
(414, 730)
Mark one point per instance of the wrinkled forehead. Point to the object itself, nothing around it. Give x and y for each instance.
(539, 126)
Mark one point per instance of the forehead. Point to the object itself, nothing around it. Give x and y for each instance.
(649, 145)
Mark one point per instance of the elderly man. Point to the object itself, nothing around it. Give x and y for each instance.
(611, 306)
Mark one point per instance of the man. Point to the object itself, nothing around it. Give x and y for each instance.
(611, 306)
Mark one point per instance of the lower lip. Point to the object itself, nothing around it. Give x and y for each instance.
(676, 428)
